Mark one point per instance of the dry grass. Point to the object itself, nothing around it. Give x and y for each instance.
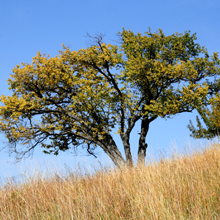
(186, 187)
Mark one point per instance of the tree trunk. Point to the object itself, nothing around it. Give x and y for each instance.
(142, 145)
(127, 149)
(111, 149)
(142, 153)
(117, 158)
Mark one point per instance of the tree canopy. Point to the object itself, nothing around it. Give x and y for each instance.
(78, 98)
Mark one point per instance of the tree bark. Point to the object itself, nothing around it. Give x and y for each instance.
(113, 152)
(142, 145)
(127, 149)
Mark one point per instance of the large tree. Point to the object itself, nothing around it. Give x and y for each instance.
(79, 97)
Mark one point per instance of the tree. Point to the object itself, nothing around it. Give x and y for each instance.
(79, 97)
(211, 119)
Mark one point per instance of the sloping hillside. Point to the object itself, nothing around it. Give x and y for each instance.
(186, 187)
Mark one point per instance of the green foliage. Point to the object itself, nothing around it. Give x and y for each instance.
(80, 96)
(211, 119)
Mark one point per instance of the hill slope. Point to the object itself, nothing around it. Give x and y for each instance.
(186, 187)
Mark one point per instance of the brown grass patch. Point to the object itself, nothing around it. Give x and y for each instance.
(186, 187)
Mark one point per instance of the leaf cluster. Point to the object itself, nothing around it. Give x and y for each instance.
(210, 118)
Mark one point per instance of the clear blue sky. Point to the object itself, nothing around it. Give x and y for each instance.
(31, 26)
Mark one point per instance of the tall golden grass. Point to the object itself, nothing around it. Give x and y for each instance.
(184, 187)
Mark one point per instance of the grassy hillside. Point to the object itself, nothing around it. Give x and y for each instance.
(185, 187)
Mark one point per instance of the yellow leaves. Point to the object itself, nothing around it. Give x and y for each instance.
(215, 114)
(86, 90)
